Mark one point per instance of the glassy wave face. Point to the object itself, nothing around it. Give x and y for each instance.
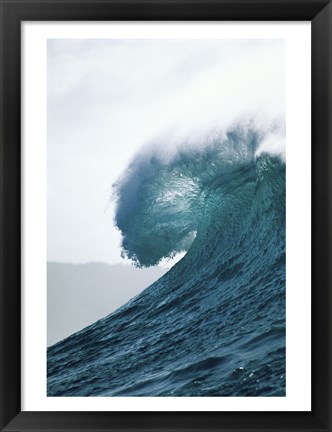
(214, 325)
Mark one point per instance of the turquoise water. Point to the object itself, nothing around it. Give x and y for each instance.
(214, 325)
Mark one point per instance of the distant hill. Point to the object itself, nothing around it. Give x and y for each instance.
(80, 294)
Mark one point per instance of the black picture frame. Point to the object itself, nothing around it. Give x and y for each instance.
(13, 12)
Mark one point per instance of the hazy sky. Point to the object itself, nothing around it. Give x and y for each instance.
(78, 295)
(106, 98)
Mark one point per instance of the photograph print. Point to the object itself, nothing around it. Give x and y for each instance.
(166, 217)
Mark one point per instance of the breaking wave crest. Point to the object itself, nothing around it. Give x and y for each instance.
(163, 202)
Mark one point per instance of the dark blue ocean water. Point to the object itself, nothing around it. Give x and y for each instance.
(214, 325)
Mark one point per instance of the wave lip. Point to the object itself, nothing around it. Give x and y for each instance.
(161, 201)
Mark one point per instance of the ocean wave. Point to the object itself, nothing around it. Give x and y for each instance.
(214, 325)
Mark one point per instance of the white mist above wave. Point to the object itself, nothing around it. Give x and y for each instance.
(240, 79)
